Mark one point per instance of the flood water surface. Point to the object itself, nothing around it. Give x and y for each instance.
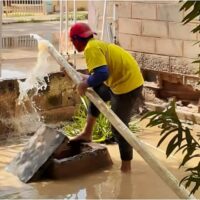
(21, 67)
(108, 183)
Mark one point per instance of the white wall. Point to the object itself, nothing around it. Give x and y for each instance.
(152, 31)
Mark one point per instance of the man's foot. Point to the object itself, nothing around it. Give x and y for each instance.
(86, 134)
(82, 137)
(126, 166)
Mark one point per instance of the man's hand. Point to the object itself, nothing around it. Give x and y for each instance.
(83, 76)
(82, 87)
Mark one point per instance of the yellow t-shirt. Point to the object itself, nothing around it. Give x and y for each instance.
(124, 72)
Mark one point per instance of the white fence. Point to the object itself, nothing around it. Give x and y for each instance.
(23, 7)
(24, 41)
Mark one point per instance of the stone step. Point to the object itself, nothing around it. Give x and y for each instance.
(91, 157)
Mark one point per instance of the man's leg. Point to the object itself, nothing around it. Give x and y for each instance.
(123, 105)
(86, 135)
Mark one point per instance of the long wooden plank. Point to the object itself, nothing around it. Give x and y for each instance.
(153, 162)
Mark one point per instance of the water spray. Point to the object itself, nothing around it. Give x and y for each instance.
(36, 78)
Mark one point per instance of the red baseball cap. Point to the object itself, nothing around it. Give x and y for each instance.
(80, 29)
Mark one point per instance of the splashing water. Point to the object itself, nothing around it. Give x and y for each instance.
(36, 78)
(27, 121)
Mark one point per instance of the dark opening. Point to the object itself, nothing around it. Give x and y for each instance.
(149, 76)
(71, 149)
(179, 91)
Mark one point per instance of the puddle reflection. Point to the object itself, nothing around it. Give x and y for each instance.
(107, 184)
(27, 41)
(19, 41)
(23, 67)
(82, 194)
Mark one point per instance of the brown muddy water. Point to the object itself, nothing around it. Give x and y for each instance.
(110, 183)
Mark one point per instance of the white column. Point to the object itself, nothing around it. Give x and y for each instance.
(74, 23)
(61, 25)
(74, 11)
(66, 25)
(115, 23)
(104, 19)
(1, 13)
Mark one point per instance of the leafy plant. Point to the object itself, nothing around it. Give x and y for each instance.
(102, 131)
(181, 140)
(193, 9)
(80, 15)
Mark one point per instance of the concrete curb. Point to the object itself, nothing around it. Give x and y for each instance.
(183, 115)
(36, 18)
(12, 20)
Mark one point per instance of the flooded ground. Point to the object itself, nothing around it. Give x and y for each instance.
(142, 183)
(19, 53)
(20, 68)
(19, 62)
(110, 183)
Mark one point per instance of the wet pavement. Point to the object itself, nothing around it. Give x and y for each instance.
(21, 67)
(109, 183)
(44, 28)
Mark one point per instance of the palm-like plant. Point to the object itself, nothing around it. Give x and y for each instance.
(102, 132)
(194, 7)
(181, 139)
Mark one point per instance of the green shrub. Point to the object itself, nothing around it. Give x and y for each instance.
(81, 9)
(102, 130)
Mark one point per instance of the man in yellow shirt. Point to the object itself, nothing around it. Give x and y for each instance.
(115, 76)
